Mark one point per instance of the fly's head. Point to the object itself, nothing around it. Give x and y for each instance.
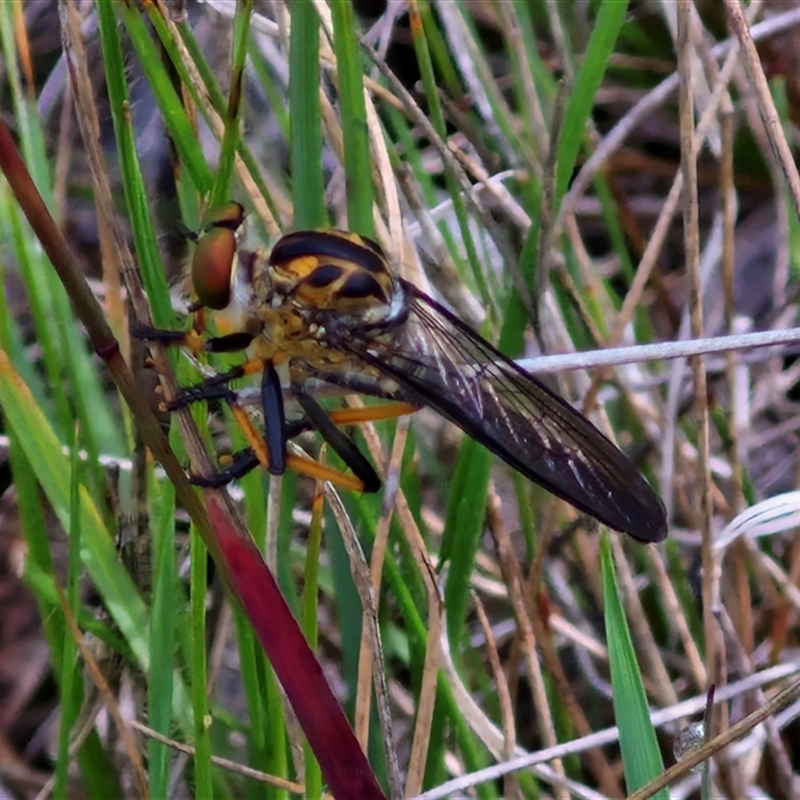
(215, 257)
(222, 272)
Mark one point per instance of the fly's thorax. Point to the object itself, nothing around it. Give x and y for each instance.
(316, 292)
(341, 283)
(293, 332)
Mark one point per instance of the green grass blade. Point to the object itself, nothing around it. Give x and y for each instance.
(166, 601)
(308, 190)
(176, 120)
(357, 162)
(463, 528)
(437, 118)
(29, 130)
(51, 468)
(261, 721)
(605, 30)
(136, 202)
(310, 606)
(66, 360)
(640, 753)
(223, 185)
(203, 776)
(70, 700)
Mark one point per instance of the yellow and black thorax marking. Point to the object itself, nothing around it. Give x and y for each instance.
(318, 288)
(335, 271)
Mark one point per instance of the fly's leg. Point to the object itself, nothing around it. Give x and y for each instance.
(269, 450)
(274, 420)
(237, 466)
(364, 478)
(215, 387)
(270, 453)
(326, 423)
(342, 444)
(193, 339)
(352, 416)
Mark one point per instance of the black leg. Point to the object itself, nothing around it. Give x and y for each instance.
(274, 419)
(231, 343)
(344, 447)
(213, 388)
(149, 334)
(243, 461)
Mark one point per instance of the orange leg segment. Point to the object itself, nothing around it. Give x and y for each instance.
(350, 416)
(300, 464)
(253, 438)
(322, 472)
(252, 367)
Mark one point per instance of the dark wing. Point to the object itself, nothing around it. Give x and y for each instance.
(439, 361)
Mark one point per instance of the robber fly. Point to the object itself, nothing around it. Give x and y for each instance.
(326, 306)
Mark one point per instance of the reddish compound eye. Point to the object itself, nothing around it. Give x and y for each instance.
(212, 264)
